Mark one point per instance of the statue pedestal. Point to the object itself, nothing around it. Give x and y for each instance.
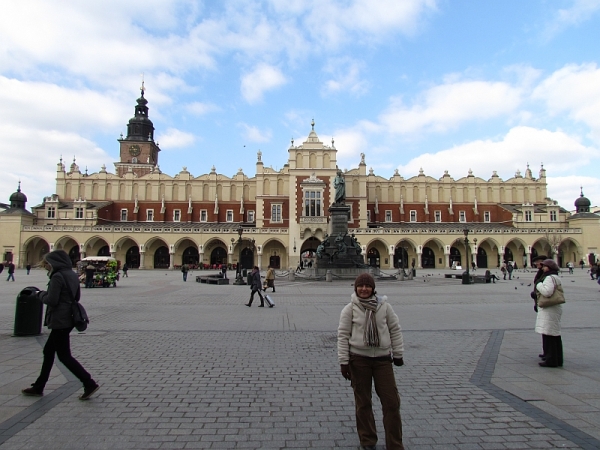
(339, 251)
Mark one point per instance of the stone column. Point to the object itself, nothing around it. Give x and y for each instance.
(21, 263)
(447, 259)
(419, 264)
(142, 262)
(391, 257)
(113, 255)
(259, 256)
(474, 256)
(171, 260)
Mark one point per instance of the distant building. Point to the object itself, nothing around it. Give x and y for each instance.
(149, 219)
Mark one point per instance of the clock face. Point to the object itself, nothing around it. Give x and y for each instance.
(134, 150)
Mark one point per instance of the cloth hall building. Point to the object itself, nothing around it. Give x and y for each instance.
(150, 219)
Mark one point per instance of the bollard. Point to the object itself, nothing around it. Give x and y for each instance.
(410, 275)
(292, 275)
(401, 276)
(328, 276)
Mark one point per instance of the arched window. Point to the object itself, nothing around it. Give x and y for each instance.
(161, 258)
(373, 257)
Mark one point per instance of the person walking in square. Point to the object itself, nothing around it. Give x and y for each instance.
(11, 271)
(509, 269)
(125, 269)
(256, 286)
(270, 278)
(224, 270)
(184, 270)
(63, 290)
(369, 342)
(28, 268)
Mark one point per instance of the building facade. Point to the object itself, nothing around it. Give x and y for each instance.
(149, 219)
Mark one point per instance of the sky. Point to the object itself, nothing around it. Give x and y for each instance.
(432, 84)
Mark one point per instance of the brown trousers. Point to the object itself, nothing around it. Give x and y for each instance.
(364, 371)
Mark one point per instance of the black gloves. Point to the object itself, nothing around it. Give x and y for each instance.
(345, 369)
(398, 361)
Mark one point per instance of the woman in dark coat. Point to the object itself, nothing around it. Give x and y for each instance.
(256, 286)
(63, 290)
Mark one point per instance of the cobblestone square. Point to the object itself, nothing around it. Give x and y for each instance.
(186, 365)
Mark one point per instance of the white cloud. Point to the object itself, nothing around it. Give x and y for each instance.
(32, 155)
(253, 134)
(559, 152)
(200, 109)
(174, 138)
(262, 79)
(47, 106)
(345, 76)
(575, 90)
(349, 143)
(566, 189)
(580, 11)
(333, 23)
(447, 106)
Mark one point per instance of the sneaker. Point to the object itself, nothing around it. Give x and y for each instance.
(32, 392)
(89, 391)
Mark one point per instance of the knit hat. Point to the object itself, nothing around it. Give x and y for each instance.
(551, 264)
(364, 279)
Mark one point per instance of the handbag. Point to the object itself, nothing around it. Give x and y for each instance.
(557, 297)
(80, 317)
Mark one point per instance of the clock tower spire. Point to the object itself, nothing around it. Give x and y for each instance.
(139, 152)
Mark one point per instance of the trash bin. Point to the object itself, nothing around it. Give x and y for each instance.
(244, 273)
(28, 313)
(466, 278)
(249, 279)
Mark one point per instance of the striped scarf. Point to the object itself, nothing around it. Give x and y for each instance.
(371, 335)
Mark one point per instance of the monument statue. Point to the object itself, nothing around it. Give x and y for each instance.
(340, 188)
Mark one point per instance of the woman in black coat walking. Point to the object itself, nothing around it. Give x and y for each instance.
(256, 286)
(63, 290)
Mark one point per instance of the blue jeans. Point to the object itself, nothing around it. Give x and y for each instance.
(184, 276)
(11, 275)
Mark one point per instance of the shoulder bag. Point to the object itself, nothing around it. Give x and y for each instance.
(557, 297)
(80, 317)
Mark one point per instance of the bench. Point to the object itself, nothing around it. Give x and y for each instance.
(478, 278)
(458, 276)
(212, 279)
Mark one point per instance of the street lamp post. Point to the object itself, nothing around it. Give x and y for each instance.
(294, 255)
(466, 278)
(475, 255)
(239, 279)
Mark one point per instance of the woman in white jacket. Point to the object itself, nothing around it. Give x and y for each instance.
(548, 319)
(369, 340)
